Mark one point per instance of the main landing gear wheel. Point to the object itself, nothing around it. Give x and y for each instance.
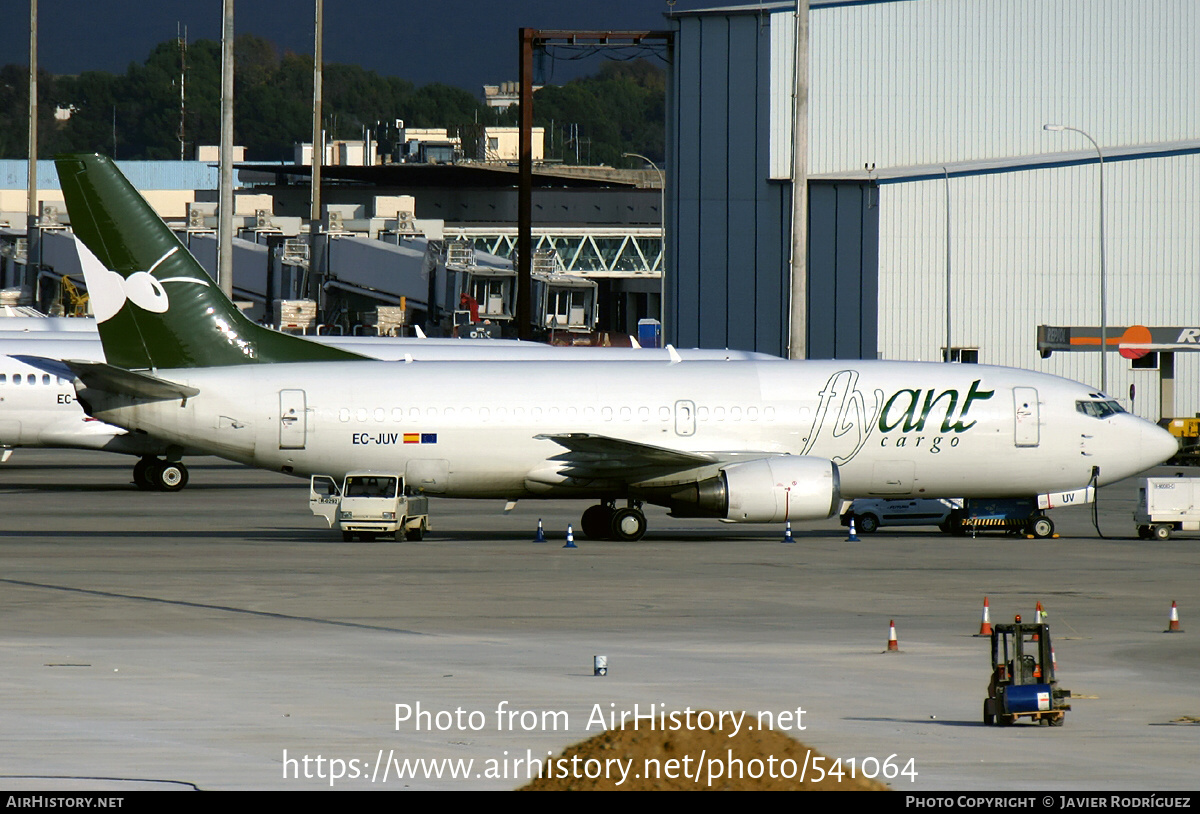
(597, 522)
(140, 474)
(169, 476)
(628, 524)
(157, 475)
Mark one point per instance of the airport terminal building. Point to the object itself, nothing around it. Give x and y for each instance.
(930, 171)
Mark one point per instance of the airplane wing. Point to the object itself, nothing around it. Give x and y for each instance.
(591, 456)
(112, 379)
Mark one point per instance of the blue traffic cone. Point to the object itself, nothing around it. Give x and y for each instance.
(853, 538)
(787, 533)
(570, 538)
(540, 537)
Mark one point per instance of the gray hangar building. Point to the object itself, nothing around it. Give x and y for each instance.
(931, 171)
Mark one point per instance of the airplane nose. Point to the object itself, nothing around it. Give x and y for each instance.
(1155, 446)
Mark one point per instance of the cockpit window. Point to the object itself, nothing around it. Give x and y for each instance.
(1099, 409)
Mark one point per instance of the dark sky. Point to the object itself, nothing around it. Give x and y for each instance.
(458, 42)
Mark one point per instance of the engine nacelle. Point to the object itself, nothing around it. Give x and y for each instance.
(766, 490)
(772, 490)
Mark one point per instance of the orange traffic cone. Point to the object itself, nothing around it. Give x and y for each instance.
(985, 626)
(893, 645)
(1174, 627)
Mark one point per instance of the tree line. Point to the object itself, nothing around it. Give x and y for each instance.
(137, 114)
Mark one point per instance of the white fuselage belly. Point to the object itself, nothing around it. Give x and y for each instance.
(892, 428)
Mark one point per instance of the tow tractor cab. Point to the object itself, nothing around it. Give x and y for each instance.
(1023, 682)
(369, 504)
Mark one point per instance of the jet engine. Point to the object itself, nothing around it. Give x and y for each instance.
(766, 490)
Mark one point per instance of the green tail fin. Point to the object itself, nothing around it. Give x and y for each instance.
(155, 305)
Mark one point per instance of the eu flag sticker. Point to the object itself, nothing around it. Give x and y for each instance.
(429, 438)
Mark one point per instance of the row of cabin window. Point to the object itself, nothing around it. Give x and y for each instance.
(31, 378)
(398, 414)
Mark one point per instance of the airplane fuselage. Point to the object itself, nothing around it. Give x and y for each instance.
(38, 409)
(472, 430)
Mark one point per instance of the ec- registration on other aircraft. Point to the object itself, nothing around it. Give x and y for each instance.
(742, 441)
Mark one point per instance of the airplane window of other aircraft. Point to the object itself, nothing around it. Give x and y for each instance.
(752, 413)
(360, 414)
(644, 413)
(397, 414)
(606, 413)
(344, 414)
(769, 413)
(626, 413)
(735, 413)
(379, 414)
(3, 378)
(719, 413)
(1099, 409)
(702, 413)
(664, 413)
(31, 379)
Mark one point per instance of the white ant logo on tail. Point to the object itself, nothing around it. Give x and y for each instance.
(108, 291)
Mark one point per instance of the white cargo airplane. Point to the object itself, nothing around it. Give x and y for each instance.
(40, 410)
(743, 441)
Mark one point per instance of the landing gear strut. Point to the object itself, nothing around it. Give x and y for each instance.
(605, 521)
(158, 475)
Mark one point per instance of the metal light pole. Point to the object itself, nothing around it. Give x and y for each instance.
(662, 227)
(225, 159)
(33, 235)
(1103, 273)
(947, 353)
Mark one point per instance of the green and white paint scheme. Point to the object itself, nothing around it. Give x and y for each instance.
(154, 303)
(741, 441)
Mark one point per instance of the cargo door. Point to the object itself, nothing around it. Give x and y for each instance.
(324, 497)
(1026, 417)
(293, 419)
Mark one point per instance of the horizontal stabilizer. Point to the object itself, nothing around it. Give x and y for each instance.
(110, 379)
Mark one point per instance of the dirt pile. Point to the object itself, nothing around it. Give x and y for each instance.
(694, 760)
